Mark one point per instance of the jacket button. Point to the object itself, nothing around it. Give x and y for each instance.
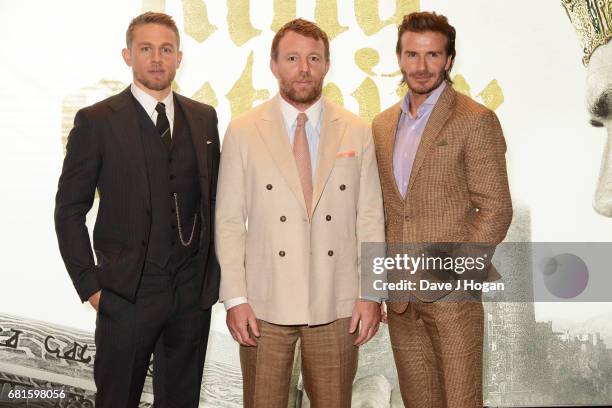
(328, 217)
(342, 187)
(283, 218)
(281, 253)
(330, 253)
(172, 210)
(148, 213)
(269, 186)
(174, 227)
(407, 218)
(143, 243)
(173, 243)
(171, 177)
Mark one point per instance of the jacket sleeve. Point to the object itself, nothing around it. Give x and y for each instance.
(230, 219)
(487, 181)
(75, 196)
(370, 221)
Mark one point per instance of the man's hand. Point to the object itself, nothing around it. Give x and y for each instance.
(383, 312)
(239, 320)
(94, 300)
(368, 312)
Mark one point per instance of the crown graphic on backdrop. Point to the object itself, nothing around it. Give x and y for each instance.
(592, 20)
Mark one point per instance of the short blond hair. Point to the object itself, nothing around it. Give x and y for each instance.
(151, 18)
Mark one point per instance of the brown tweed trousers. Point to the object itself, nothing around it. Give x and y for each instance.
(458, 192)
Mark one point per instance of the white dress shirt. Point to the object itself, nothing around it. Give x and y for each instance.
(149, 103)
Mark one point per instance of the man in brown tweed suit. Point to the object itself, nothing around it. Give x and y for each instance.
(443, 173)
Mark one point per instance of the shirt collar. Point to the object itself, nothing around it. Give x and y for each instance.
(149, 103)
(290, 113)
(429, 103)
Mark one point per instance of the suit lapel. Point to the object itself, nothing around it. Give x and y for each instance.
(196, 126)
(124, 123)
(332, 131)
(388, 132)
(274, 134)
(440, 114)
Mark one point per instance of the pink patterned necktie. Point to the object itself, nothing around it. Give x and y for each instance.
(301, 153)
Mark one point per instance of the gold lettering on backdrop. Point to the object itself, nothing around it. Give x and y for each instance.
(368, 98)
(284, 11)
(367, 94)
(154, 5)
(239, 21)
(492, 95)
(326, 16)
(206, 95)
(243, 94)
(333, 93)
(461, 85)
(368, 17)
(195, 17)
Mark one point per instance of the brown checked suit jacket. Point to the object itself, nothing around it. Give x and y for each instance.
(458, 189)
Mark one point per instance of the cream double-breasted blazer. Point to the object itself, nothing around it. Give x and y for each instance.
(292, 269)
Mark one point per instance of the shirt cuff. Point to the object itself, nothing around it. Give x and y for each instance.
(229, 303)
(372, 298)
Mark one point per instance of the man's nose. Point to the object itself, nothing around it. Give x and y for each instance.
(303, 65)
(156, 55)
(421, 64)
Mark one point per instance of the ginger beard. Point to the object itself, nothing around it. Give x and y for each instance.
(304, 90)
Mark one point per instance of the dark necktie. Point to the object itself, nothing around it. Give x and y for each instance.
(163, 125)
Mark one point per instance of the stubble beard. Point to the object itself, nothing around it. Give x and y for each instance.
(424, 91)
(310, 96)
(155, 86)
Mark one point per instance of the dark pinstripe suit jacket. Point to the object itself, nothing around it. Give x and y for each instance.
(105, 152)
(458, 189)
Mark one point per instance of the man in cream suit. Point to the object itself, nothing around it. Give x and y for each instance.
(302, 172)
(443, 171)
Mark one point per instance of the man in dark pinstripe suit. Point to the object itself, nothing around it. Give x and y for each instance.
(441, 158)
(153, 157)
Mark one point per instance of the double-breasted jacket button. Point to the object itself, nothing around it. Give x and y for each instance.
(269, 186)
(328, 217)
(143, 243)
(281, 253)
(283, 218)
(342, 187)
(330, 253)
(407, 218)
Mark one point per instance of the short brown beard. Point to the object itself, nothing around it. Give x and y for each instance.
(288, 92)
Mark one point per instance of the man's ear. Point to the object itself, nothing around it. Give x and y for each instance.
(127, 57)
(274, 67)
(179, 58)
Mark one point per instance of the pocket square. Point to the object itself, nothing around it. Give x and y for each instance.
(209, 142)
(442, 143)
(348, 153)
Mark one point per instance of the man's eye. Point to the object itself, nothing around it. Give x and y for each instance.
(292, 59)
(315, 58)
(145, 49)
(167, 50)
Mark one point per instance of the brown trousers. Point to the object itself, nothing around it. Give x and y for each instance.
(438, 353)
(328, 357)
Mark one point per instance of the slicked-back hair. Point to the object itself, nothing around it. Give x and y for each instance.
(151, 18)
(302, 27)
(420, 22)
